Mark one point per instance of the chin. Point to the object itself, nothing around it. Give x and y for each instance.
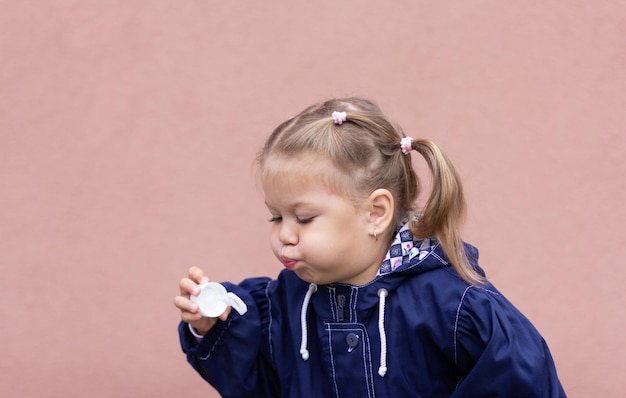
(309, 277)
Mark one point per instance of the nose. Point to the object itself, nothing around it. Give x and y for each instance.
(288, 234)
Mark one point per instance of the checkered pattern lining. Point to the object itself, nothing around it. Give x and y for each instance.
(404, 249)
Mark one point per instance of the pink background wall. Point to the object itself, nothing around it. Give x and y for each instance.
(128, 131)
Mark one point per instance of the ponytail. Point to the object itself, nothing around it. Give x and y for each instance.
(445, 210)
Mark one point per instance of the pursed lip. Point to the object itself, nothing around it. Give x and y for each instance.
(288, 262)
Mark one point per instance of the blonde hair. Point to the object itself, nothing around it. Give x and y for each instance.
(366, 150)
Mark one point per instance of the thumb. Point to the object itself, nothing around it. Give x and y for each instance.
(224, 316)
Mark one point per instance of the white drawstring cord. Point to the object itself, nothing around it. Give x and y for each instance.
(303, 326)
(382, 294)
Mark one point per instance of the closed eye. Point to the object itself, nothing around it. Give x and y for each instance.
(298, 220)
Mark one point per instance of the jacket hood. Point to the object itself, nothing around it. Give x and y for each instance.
(409, 255)
(406, 253)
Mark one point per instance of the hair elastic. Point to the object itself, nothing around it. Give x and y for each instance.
(405, 145)
(339, 117)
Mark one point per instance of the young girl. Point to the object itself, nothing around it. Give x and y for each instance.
(377, 298)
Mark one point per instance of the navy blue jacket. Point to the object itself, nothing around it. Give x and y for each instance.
(428, 334)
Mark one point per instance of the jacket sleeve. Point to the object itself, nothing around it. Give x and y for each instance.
(231, 356)
(500, 351)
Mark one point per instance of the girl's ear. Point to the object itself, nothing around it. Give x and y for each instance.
(380, 211)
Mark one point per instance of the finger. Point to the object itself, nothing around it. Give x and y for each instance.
(186, 305)
(196, 274)
(190, 317)
(188, 287)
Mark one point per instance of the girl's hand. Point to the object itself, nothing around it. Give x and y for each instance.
(189, 311)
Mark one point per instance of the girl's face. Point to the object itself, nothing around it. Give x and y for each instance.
(318, 233)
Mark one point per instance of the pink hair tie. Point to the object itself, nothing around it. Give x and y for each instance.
(339, 117)
(405, 145)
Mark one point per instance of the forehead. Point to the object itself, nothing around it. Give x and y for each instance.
(282, 175)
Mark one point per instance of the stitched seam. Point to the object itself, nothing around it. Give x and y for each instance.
(490, 291)
(217, 341)
(367, 360)
(438, 257)
(367, 363)
(354, 297)
(332, 361)
(366, 352)
(458, 311)
(456, 322)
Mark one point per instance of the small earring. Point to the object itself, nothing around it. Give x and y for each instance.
(375, 234)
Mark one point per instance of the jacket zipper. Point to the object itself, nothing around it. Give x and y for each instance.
(341, 301)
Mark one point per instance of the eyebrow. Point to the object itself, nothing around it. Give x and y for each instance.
(296, 204)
